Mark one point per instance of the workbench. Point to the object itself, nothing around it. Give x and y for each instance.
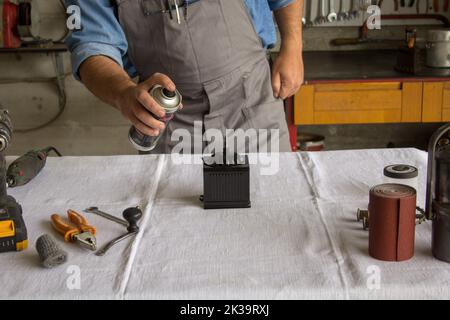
(299, 240)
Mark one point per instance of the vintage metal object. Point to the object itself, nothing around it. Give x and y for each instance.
(171, 102)
(332, 15)
(402, 174)
(105, 215)
(438, 192)
(392, 219)
(132, 216)
(438, 48)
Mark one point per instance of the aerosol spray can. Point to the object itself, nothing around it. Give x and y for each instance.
(171, 102)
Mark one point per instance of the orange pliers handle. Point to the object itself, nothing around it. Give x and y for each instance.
(79, 224)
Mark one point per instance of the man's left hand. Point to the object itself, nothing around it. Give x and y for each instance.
(287, 73)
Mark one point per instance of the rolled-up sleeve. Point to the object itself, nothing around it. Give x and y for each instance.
(100, 34)
(278, 4)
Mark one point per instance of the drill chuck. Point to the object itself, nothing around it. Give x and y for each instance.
(5, 130)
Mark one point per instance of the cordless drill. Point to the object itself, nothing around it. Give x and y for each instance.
(13, 233)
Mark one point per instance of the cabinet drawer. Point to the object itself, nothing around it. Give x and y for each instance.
(436, 102)
(382, 102)
(446, 96)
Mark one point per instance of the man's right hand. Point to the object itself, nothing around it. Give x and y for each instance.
(138, 106)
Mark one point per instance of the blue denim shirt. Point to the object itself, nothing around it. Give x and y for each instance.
(101, 33)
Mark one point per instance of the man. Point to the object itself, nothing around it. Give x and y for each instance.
(214, 54)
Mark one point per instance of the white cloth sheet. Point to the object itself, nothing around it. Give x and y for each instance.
(299, 240)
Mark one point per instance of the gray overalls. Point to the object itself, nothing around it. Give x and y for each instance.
(215, 58)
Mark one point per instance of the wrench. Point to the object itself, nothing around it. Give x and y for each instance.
(105, 215)
(343, 13)
(322, 17)
(354, 12)
(332, 16)
(308, 14)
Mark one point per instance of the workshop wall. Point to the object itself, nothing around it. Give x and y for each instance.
(88, 126)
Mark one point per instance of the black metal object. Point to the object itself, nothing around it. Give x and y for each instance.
(226, 181)
(438, 192)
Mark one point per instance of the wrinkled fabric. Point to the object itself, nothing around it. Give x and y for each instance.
(300, 239)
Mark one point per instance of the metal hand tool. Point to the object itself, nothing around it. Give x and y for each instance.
(332, 16)
(105, 215)
(308, 14)
(304, 13)
(411, 3)
(436, 5)
(169, 9)
(418, 6)
(396, 5)
(79, 230)
(342, 14)
(354, 12)
(132, 215)
(322, 17)
(177, 10)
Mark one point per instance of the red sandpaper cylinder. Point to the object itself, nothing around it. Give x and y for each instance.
(392, 222)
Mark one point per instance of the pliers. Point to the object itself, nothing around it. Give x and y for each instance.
(77, 230)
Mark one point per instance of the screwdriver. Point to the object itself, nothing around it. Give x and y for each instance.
(28, 166)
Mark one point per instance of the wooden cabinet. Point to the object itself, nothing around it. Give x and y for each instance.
(436, 102)
(372, 102)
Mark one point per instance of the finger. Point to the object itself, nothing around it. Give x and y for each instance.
(161, 79)
(142, 127)
(285, 90)
(145, 117)
(276, 84)
(146, 100)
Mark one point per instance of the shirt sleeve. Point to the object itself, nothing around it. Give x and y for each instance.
(100, 34)
(278, 4)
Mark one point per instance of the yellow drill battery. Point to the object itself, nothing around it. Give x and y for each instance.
(13, 233)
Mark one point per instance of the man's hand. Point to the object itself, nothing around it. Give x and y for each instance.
(108, 81)
(287, 73)
(138, 106)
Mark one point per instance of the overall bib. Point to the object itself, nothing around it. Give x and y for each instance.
(215, 58)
